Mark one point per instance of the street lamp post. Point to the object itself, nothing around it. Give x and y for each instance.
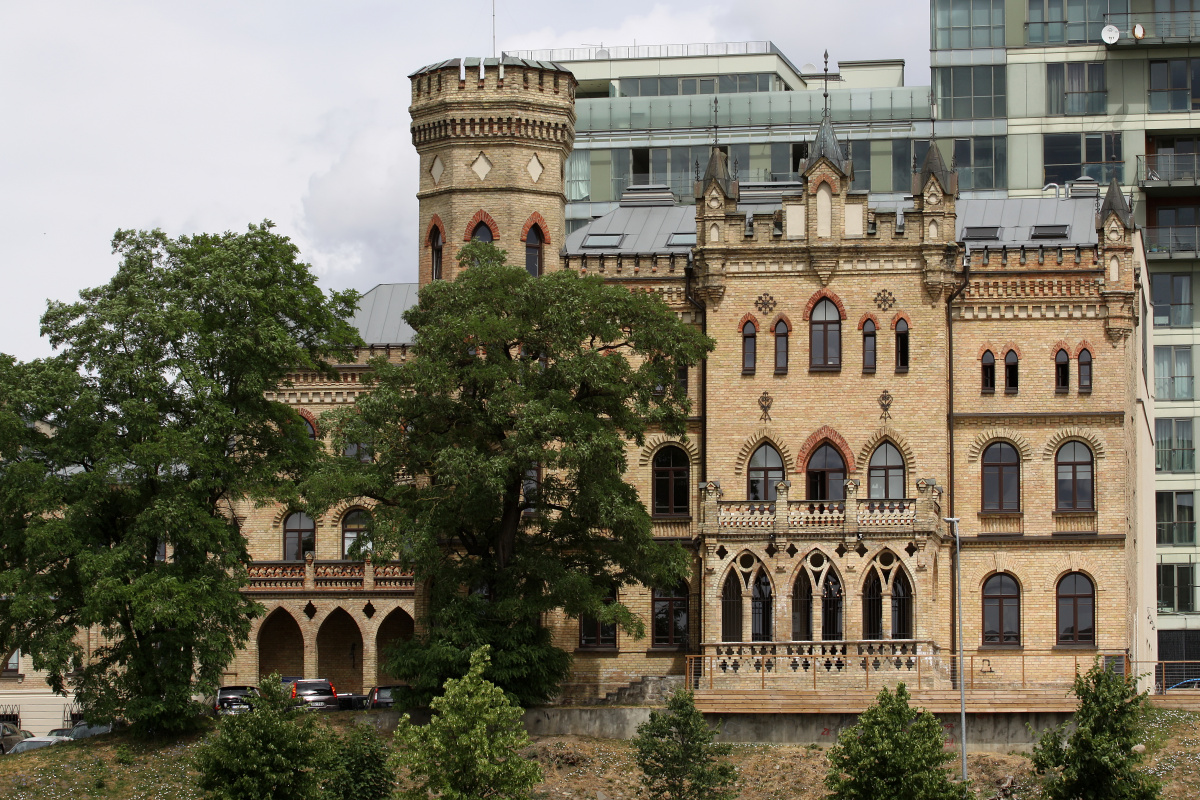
(962, 686)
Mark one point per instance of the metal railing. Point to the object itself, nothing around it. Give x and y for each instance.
(1173, 240)
(1075, 31)
(1179, 387)
(601, 53)
(1162, 27)
(1176, 533)
(1169, 168)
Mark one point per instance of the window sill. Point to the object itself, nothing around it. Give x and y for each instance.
(1010, 391)
(666, 650)
(781, 372)
(996, 512)
(671, 517)
(1089, 391)
(901, 370)
(747, 372)
(834, 368)
(1075, 646)
(1061, 390)
(1073, 512)
(605, 650)
(987, 391)
(868, 370)
(1001, 646)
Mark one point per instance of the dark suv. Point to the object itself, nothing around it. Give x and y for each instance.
(317, 695)
(382, 696)
(9, 737)
(233, 699)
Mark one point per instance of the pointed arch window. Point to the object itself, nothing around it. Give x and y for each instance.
(533, 251)
(1062, 372)
(1076, 609)
(886, 473)
(902, 607)
(988, 385)
(802, 601)
(1001, 478)
(1073, 478)
(901, 346)
(826, 337)
(731, 608)
(299, 536)
(761, 608)
(671, 616)
(868, 347)
(1001, 610)
(435, 254)
(1085, 371)
(670, 482)
(356, 541)
(764, 471)
(12, 663)
(831, 608)
(749, 348)
(309, 429)
(826, 474)
(781, 348)
(1010, 372)
(482, 233)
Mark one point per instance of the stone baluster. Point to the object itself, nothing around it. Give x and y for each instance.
(368, 579)
(310, 572)
(710, 493)
(851, 493)
(782, 490)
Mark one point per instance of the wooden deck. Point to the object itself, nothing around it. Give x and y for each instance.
(938, 702)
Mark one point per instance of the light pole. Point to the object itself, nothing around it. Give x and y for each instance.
(962, 686)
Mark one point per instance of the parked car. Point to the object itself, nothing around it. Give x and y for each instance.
(34, 742)
(26, 734)
(82, 730)
(60, 732)
(381, 696)
(316, 695)
(9, 737)
(233, 699)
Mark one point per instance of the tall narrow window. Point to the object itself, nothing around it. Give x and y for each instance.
(1076, 609)
(1073, 466)
(670, 482)
(1001, 610)
(886, 473)
(872, 607)
(731, 608)
(831, 608)
(1010, 372)
(760, 608)
(671, 616)
(355, 540)
(482, 233)
(598, 635)
(749, 348)
(12, 663)
(1001, 478)
(309, 429)
(826, 474)
(902, 604)
(802, 598)
(868, 346)
(781, 348)
(988, 386)
(435, 254)
(765, 470)
(1062, 372)
(533, 251)
(1085, 372)
(826, 337)
(901, 346)
(299, 536)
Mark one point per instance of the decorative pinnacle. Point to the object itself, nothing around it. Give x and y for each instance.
(825, 94)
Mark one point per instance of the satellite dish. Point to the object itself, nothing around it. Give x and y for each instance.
(809, 68)
(1110, 34)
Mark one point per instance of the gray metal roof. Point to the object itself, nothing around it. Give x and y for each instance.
(379, 318)
(1016, 216)
(645, 228)
(473, 64)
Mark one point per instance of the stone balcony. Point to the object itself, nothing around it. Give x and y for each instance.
(311, 575)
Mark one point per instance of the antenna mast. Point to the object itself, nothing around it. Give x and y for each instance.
(825, 94)
(493, 28)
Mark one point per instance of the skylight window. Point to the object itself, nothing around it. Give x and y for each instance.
(602, 240)
(981, 232)
(1049, 231)
(679, 239)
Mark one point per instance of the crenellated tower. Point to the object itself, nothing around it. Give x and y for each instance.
(493, 136)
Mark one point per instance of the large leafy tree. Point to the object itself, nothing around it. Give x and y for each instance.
(498, 464)
(124, 459)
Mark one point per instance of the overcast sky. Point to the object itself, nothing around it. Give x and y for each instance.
(206, 116)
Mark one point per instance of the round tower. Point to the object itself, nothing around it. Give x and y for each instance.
(493, 136)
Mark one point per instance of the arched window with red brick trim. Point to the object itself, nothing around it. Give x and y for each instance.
(781, 348)
(435, 254)
(533, 251)
(826, 337)
(749, 348)
(482, 233)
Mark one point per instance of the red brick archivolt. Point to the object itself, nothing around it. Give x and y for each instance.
(486, 219)
(820, 436)
(536, 219)
(821, 294)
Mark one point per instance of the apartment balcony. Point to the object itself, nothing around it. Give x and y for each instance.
(1173, 242)
(1179, 387)
(1169, 174)
(311, 576)
(1155, 28)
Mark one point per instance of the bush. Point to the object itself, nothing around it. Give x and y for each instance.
(1097, 760)
(360, 766)
(471, 747)
(677, 755)
(265, 753)
(892, 752)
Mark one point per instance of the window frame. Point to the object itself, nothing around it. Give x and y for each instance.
(901, 346)
(833, 608)
(1062, 372)
(781, 347)
(762, 607)
(870, 349)
(359, 531)
(1058, 101)
(672, 474)
(1179, 459)
(289, 529)
(749, 347)
(1005, 604)
(1174, 386)
(1167, 531)
(802, 608)
(1173, 98)
(1012, 372)
(987, 381)
(435, 254)
(765, 474)
(1178, 285)
(903, 603)
(1059, 596)
(534, 251)
(1110, 164)
(887, 473)
(671, 603)
(1084, 364)
(834, 492)
(1075, 478)
(1002, 473)
(1177, 588)
(8, 671)
(731, 607)
(475, 237)
(830, 357)
(604, 634)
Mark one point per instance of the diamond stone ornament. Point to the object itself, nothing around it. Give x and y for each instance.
(436, 169)
(481, 166)
(535, 168)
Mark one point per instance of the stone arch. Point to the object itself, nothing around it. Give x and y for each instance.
(765, 434)
(311, 419)
(748, 317)
(821, 294)
(988, 346)
(901, 315)
(1060, 437)
(1059, 345)
(536, 219)
(1012, 346)
(986, 571)
(975, 451)
(280, 645)
(659, 440)
(1084, 345)
(825, 434)
(871, 560)
(1075, 563)
(714, 233)
(934, 229)
(340, 651)
(889, 434)
(398, 625)
(868, 316)
(435, 223)
(828, 180)
(733, 564)
(781, 318)
(486, 219)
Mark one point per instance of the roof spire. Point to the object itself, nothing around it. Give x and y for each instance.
(825, 93)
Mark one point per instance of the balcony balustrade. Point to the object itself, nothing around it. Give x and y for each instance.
(1163, 170)
(1173, 241)
(311, 575)
(1157, 28)
(815, 515)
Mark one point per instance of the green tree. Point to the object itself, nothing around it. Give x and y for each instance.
(514, 418)
(677, 755)
(124, 460)
(471, 748)
(272, 752)
(1096, 760)
(894, 752)
(360, 766)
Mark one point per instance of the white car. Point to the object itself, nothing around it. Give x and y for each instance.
(34, 742)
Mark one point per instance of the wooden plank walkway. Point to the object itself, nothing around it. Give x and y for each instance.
(938, 702)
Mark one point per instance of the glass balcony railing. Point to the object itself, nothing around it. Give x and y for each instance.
(1173, 241)
(1169, 168)
(1176, 533)
(1175, 460)
(1181, 387)
(1163, 27)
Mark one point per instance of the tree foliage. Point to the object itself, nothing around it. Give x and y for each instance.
(1097, 760)
(360, 766)
(123, 458)
(272, 752)
(894, 752)
(677, 756)
(514, 418)
(471, 748)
